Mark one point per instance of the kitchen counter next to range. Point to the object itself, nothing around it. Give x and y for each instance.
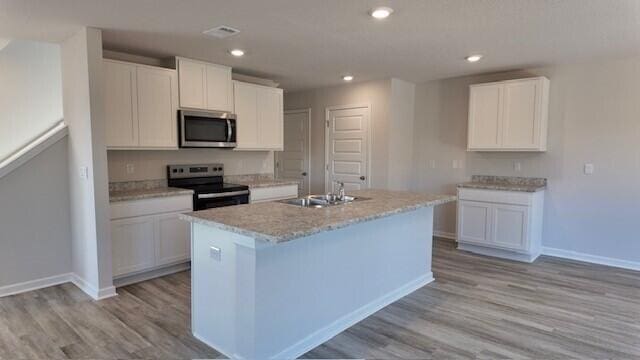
(260, 181)
(505, 183)
(278, 222)
(139, 194)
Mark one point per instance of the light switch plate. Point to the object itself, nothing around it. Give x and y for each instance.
(130, 168)
(215, 253)
(84, 172)
(588, 169)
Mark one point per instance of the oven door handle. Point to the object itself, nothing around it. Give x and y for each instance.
(229, 130)
(222, 195)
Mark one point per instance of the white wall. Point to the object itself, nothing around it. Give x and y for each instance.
(30, 92)
(35, 236)
(400, 137)
(152, 164)
(83, 112)
(593, 117)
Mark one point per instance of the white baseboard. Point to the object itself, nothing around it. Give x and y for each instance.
(34, 284)
(96, 294)
(325, 334)
(574, 255)
(444, 234)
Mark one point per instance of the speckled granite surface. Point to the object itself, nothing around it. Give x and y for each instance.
(259, 180)
(138, 194)
(505, 183)
(277, 222)
(137, 185)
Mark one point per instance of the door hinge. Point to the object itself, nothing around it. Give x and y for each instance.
(327, 123)
(326, 167)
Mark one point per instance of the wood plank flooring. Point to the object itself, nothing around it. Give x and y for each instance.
(478, 307)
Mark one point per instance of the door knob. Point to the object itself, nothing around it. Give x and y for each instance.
(304, 173)
(362, 178)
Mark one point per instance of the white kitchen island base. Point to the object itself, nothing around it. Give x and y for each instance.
(253, 299)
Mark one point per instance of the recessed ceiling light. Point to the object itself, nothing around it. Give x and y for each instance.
(382, 12)
(347, 77)
(473, 58)
(237, 52)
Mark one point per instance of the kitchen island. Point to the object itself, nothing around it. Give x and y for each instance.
(275, 280)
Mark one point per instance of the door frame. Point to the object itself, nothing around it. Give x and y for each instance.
(275, 157)
(327, 110)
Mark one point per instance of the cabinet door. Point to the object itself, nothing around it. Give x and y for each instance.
(474, 222)
(521, 114)
(245, 99)
(120, 104)
(133, 246)
(193, 86)
(219, 88)
(509, 226)
(270, 118)
(173, 241)
(485, 111)
(157, 108)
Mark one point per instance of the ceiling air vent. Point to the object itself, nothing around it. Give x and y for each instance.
(222, 31)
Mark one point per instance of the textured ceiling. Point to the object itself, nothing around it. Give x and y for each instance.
(311, 43)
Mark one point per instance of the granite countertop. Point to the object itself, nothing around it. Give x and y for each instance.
(262, 183)
(277, 222)
(138, 194)
(505, 183)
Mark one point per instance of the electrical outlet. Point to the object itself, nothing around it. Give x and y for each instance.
(130, 168)
(454, 164)
(588, 169)
(517, 166)
(432, 164)
(84, 172)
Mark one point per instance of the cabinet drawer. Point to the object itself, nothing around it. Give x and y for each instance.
(134, 208)
(496, 196)
(274, 193)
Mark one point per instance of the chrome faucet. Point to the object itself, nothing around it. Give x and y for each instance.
(341, 193)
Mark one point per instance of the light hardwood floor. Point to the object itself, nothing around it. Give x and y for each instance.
(478, 307)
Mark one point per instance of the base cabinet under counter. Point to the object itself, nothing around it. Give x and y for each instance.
(500, 223)
(147, 235)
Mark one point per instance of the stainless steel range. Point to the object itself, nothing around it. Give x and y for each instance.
(207, 182)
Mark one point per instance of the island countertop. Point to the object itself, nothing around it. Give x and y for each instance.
(276, 222)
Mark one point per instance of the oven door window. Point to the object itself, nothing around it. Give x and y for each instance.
(203, 204)
(201, 129)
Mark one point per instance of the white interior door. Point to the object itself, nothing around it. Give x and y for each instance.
(293, 162)
(347, 147)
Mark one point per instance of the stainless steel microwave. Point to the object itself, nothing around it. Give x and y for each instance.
(208, 129)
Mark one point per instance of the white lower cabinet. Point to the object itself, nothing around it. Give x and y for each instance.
(148, 234)
(273, 193)
(500, 223)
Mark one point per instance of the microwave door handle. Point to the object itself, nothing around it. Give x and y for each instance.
(228, 130)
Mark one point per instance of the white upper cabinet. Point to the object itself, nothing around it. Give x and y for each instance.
(157, 107)
(121, 104)
(205, 86)
(509, 115)
(140, 106)
(260, 123)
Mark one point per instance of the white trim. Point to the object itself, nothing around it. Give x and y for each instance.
(594, 259)
(308, 112)
(32, 149)
(96, 294)
(34, 284)
(321, 336)
(445, 235)
(327, 110)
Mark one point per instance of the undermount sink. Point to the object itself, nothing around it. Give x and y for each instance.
(320, 201)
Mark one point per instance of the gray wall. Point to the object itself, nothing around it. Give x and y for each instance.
(35, 240)
(83, 113)
(593, 117)
(30, 92)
